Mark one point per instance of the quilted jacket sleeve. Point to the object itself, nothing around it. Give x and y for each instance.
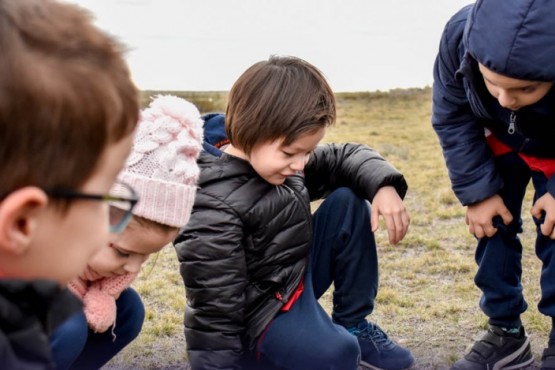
(469, 161)
(350, 165)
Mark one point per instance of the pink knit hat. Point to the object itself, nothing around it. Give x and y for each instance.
(162, 166)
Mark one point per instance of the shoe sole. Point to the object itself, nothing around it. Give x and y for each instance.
(372, 367)
(498, 366)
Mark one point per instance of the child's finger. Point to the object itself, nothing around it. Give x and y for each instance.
(536, 211)
(506, 215)
(391, 229)
(547, 227)
(374, 219)
(400, 228)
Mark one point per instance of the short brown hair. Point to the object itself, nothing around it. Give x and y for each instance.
(282, 97)
(65, 94)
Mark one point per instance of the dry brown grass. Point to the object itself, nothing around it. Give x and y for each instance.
(427, 299)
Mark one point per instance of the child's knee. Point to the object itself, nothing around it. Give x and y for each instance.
(131, 312)
(343, 195)
(75, 327)
(343, 353)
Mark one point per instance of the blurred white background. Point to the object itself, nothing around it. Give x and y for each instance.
(200, 45)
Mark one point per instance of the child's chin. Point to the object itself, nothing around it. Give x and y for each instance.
(277, 180)
(91, 275)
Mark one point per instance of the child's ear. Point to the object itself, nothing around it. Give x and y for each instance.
(18, 218)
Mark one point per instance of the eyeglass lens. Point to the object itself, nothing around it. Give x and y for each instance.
(120, 211)
(118, 218)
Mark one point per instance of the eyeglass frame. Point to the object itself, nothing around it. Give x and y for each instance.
(70, 194)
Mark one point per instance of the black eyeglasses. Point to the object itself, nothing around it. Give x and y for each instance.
(119, 206)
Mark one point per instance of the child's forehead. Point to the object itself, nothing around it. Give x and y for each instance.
(505, 81)
(140, 239)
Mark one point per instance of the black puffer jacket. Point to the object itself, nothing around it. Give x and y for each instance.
(29, 311)
(248, 240)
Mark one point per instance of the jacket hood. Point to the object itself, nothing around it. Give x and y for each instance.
(515, 38)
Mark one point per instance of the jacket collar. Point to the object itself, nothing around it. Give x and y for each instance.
(41, 300)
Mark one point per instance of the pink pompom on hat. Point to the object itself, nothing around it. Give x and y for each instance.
(162, 166)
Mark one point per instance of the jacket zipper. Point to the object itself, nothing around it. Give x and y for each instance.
(512, 123)
(279, 295)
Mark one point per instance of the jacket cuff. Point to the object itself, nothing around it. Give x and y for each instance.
(551, 185)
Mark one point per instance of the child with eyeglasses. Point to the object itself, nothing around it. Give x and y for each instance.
(162, 168)
(68, 108)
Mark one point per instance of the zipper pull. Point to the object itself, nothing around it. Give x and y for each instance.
(512, 123)
(279, 295)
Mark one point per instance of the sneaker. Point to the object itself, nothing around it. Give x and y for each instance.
(497, 350)
(548, 358)
(378, 351)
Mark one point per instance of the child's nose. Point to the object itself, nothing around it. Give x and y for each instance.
(298, 164)
(505, 99)
(133, 265)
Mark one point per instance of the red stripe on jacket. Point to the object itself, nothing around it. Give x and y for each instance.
(544, 165)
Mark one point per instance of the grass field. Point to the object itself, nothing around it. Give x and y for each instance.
(427, 299)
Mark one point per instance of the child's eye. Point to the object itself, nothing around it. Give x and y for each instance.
(288, 154)
(118, 251)
(122, 254)
(528, 89)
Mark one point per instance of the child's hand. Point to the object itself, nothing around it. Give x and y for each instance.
(389, 204)
(479, 216)
(545, 203)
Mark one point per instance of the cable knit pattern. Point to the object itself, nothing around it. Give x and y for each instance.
(173, 136)
(162, 166)
(99, 298)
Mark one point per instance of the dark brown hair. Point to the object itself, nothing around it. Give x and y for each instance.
(65, 94)
(282, 97)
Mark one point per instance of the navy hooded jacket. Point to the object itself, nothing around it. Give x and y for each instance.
(515, 38)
